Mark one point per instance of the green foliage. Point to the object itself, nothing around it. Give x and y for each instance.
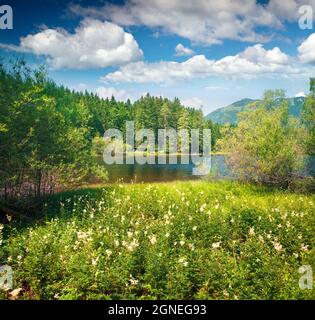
(188, 240)
(308, 118)
(43, 139)
(266, 145)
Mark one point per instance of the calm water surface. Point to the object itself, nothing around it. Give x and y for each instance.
(163, 172)
(171, 172)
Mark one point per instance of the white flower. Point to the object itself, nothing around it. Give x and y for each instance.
(108, 252)
(182, 242)
(304, 247)
(153, 240)
(251, 231)
(277, 246)
(15, 293)
(216, 245)
(167, 235)
(94, 262)
(183, 261)
(194, 228)
(133, 282)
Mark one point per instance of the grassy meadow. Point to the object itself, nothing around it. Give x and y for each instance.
(181, 240)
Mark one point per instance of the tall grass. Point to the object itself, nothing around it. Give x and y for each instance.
(183, 240)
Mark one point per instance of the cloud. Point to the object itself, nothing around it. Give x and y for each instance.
(300, 94)
(108, 92)
(207, 22)
(251, 62)
(180, 50)
(307, 50)
(193, 102)
(94, 44)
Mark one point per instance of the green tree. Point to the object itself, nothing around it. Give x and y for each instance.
(308, 119)
(265, 146)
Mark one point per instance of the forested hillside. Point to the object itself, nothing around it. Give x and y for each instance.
(229, 114)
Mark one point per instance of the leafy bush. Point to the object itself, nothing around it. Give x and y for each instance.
(266, 145)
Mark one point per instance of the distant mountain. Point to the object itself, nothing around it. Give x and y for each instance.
(229, 113)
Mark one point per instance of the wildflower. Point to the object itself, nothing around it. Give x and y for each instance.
(217, 206)
(133, 282)
(191, 247)
(182, 242)
(216, 245)
(167, 235)
(183, 261)
(153, 240)
(251, 231)
(194, 228)
(225, 293)
(15, 293)
(277, 246)
(94, 262)
(108, 252)
(304, 247)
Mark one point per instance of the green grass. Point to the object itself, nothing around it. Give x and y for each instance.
(183, 240)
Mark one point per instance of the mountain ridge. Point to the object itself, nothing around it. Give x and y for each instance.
(228, 114)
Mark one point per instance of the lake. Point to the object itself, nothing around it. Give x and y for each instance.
(163, 172)
(170, 172)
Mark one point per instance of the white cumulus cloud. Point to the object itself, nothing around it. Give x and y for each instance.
(108, 92)
(307, 50)
(251, 62)
(181, 50)
(202, 21)
(300, 94)
(94, 44)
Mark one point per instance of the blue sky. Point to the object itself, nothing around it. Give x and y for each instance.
(207, 53)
